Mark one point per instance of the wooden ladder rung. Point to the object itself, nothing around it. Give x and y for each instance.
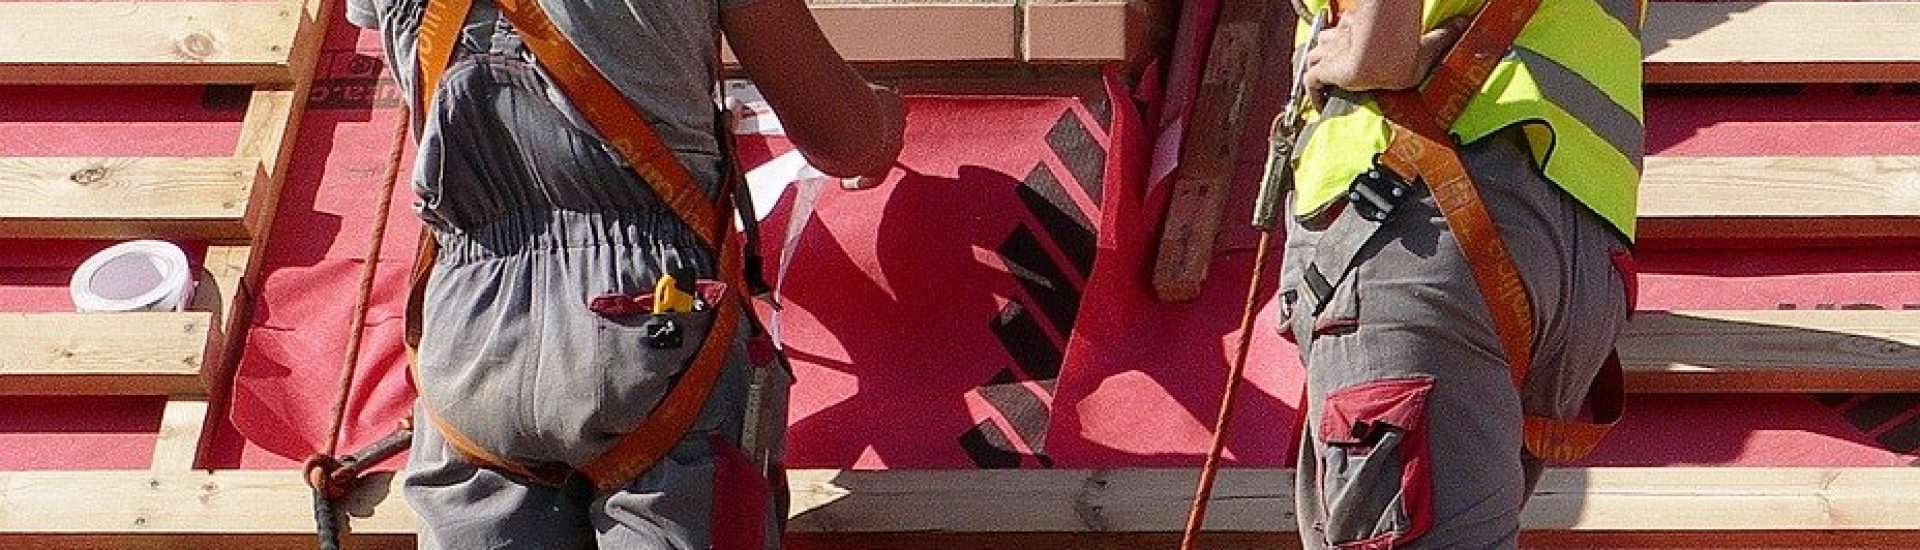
(137, 353)
(1074, 30)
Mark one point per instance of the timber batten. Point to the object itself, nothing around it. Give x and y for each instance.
(1757, 42)
(146, 42)
(856, 509)
(126, 198)
(102, 354)
(1788, 351)
(1746, 198)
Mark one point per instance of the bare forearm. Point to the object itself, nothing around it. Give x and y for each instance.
(842, 126)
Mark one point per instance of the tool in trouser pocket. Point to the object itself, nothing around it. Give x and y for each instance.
(710, 219)
(675, 293)
(1277, 179)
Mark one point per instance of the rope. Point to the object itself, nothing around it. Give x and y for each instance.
(366, 284)
(322, 469)
(1197, 515)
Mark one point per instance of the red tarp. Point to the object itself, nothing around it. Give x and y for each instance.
(958, 317)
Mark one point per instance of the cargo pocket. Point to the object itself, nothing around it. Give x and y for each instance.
(640, 353)
(1629, 272)
(1376, 475)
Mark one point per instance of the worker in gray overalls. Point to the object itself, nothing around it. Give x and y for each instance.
(540, 348)
(1459, 258)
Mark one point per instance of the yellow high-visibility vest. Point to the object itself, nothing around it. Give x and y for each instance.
(1572, 81)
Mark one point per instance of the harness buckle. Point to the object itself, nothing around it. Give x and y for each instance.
(1377, 193)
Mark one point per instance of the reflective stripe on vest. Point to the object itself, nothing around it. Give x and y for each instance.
(1573, 76)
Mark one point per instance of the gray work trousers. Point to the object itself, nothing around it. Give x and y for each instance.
(1412, 420)
(534, 218)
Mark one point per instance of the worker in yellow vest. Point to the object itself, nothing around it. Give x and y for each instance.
(588, 369)
(1434, 390)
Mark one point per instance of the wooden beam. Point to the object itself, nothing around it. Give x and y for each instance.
(1730, 42)
(182, 427)
(223, 292)
(268, 506)
(1797, 351)
(866, 31)
(1748, 198)
(1074, 31)
(146, 353)
(1005, 508)
(145, 42)
(268, 133)
(1249, 500)
(891, 33)
(1209, 146)
(918, 32)
(126, 198)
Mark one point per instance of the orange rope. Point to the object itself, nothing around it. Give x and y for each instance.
(366, 284)
(1197, 515)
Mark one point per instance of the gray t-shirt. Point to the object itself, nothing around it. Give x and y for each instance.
(659, 53)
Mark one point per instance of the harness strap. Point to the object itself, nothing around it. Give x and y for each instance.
(1423, 150)
(439, 32)
(623, 127)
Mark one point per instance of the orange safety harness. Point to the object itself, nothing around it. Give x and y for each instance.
(622, 126)
(1422, 150)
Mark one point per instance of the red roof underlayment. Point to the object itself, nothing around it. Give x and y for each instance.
(988, 307)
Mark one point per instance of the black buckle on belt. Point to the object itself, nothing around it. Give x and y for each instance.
(1377, 193)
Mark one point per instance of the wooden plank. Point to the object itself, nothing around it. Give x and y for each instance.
(43, 506)
(144, 353)
(223, 292)
(126, 198)
(140, 353)
(1728, 42)
(918, 32)
(1250, 500)
(1801, 351)
(1698, 507)
(268, 130)
(182, 427)
(1074, 31)
(1209, 147)
(145, 42)
(1749, 198)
